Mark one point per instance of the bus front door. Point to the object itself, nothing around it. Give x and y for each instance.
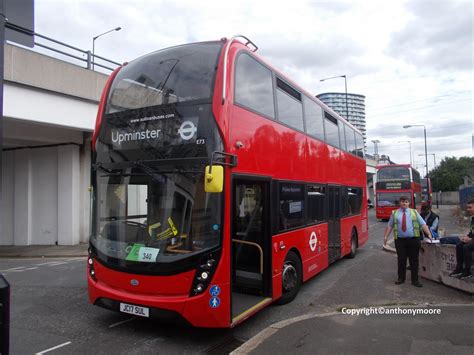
(250, 246)
(334, 222)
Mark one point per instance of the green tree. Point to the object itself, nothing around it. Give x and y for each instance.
(450, 173)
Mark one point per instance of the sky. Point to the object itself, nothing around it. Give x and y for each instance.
(412, 59)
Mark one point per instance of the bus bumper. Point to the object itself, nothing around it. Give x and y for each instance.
(169, 305)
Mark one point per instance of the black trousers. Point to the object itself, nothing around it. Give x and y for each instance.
(407, 248)
(464, 256)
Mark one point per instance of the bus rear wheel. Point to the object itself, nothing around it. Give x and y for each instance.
(291, 277)
(353, 245)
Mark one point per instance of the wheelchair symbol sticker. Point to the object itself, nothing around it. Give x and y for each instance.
(215, 291)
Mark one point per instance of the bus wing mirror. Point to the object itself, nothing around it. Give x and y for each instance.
(214, 178)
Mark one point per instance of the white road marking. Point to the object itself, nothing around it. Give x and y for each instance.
(59, 263)
(15, 268)
(53, 348)
(49, 262)
(124, 321)
(18, 269)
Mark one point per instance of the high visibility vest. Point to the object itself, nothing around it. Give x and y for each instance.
(416, 224)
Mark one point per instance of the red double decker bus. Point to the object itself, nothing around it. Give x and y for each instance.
(218, 186)
(394, 181)
(426, 192)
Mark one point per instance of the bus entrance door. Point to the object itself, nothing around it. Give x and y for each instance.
(334, 222)
(250, 246)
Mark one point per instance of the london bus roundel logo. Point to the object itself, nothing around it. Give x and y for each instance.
(187, 130)
(313, 241)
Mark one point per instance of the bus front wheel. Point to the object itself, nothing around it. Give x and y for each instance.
(291, 277)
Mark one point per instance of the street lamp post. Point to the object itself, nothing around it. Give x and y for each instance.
(434, 158)
(409, 143)
(345, 84)
(93, 42)
(376, 148)
(426, 149)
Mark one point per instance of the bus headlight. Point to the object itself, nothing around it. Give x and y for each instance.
(203, 276)
(90, 266)
(199, 288)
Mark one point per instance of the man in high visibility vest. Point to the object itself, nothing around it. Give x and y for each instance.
(405, 224)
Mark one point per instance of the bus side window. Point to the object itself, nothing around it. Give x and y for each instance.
(254, 86)
(316, 204)
(342, 136)
(346, 209)
(360, 145)
(350, 140)
(290, 109)
(354, 197)
(292, 206)
(313, 114)
(332, 131)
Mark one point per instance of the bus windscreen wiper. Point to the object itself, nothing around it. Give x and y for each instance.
(155, 175)
(108, 172)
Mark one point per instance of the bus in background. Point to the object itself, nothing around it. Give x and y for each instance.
(426, 192)
(218, 186)
(394, 181)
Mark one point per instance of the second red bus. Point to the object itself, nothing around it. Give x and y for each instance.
(392, 182)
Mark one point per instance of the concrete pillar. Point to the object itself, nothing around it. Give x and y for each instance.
(68, 195)
(23, 198)
(44, 163)
(85, 184)
(8, 198)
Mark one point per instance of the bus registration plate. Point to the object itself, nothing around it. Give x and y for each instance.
(135, 310)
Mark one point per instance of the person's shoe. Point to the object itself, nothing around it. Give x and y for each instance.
(465, 276)
(455, 273)
(399, 282)
(417, 284)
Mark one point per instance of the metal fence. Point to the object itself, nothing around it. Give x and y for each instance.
(85, 57)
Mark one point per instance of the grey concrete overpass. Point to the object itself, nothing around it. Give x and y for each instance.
(49, 114)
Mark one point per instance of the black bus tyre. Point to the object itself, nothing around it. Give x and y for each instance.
(291, 278)
(353, 252)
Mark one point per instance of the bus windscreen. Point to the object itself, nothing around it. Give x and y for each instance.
(147, 219)
(172, 75)
(388, 199)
